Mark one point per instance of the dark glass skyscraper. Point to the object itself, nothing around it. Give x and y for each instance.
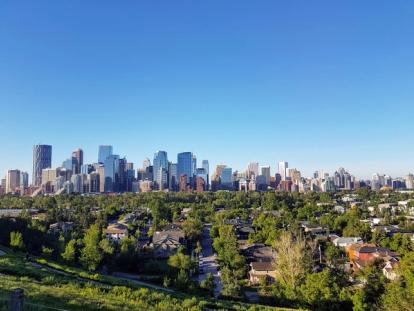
(104, 152)
(185, 165)
(42, 158)
(77, 160)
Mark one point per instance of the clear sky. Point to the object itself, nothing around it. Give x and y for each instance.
(320, 84)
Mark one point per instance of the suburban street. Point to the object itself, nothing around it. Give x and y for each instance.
(208, 261)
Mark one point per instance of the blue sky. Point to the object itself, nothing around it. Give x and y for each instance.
(320, 84)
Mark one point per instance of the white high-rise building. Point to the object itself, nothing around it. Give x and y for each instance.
(282, 169)
(409, 181)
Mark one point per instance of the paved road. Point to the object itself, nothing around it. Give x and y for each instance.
(208, 262)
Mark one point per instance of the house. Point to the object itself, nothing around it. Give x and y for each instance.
(313, 229)
(362, 255)
(257, 253)
(346, 241)
(243, 232)
(116, 231)
(390, 267)
(166, 243)
(260, 270)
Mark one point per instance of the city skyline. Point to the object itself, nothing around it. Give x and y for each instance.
(170, 157)
(320, 84)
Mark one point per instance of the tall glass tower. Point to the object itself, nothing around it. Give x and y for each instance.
(185, 165)
(160, 165)
(104, 152)
(42, 158)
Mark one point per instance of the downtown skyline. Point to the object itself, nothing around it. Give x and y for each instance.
(275, 166)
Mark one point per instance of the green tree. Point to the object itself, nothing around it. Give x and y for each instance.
(16, 240)
(106, 247)
(231, 286)
(320, 291)
(180, 261)
(91, 254)
(208, 283)
(69, 255)
(399, 295)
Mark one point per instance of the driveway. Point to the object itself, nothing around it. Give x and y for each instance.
(208, 262)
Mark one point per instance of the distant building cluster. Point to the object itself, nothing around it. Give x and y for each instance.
(113, 174)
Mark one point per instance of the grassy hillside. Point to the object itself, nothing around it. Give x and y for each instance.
(43, 288)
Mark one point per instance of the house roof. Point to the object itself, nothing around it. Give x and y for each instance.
(116, 229)
(262, 266)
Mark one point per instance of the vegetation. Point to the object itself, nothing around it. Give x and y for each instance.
(309, 270)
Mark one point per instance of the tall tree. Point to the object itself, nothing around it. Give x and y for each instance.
(91, 254)
(290, 261)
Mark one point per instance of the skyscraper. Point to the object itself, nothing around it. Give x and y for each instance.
(42, 158)
(226, 177)
(282, 169)
(24, 180)
(265, 172)
(77, 159)
(111, 165)
(160, 166)
(12, 180)
(104, 152)
(252, 169)
(172, 177)
(206, 167)
(185, 166)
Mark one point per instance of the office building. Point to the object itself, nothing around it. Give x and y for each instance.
(24, 180)
(12, 181)
(252, 169)
(160, 169)
(42, 159)
(206, 166)
(111, 165)
(226, 177)
(77, 159)
(172, 176)
(200, 184)
(185, 166)
(265, 172)
(104, 152)
(282, 169)
(94, 182)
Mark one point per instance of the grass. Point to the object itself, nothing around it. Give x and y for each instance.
(68, 292)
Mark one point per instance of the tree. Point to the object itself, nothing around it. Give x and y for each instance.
(399, 295)
(69, 254)
(231, 286)
(106, 247)
(320, 291)
(367, 298)
(208, 283)
(289, 261)
(180, 261)
(192, 228)
(16, 240)
(333, 254)
(91, 254)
